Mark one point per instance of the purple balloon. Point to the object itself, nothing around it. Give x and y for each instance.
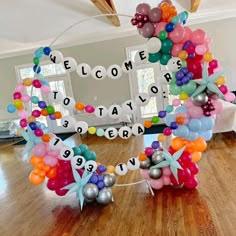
(143, 8)
(148, 30)
(100, 185)
(155, 15)
(155, 144)
(185, 80)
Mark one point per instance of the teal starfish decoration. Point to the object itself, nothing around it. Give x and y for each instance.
(207, 81)
(77, 187)
(171, 161)
(31, 140)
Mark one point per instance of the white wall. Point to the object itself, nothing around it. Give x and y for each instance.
(110, 52)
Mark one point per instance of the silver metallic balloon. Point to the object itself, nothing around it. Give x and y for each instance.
(89, 200)
(200, 99)
(157, 157)
(145, 164)
(109, 180)
(90, 191)
(155, 173)
(104, 196)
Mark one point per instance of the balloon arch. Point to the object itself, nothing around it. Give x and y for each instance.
(194, 77)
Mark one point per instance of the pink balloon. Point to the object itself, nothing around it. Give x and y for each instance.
(166, 171)
(198, 36)
(23, 114)
(160, 27)
(195, 112)
(208, 40)
(188, 34)
(50, 161)
(223, 89)
(176, 49)
(176, 102)
(20, 88)
(218, 107)
(144, 174)
(40, 150)
(54, 152)
(218, 69)
(188, 103)
(156, 183)
(200, 49)
(166, 180)
(45, 89)
(25, 98)
(229, 97)
(178, 35)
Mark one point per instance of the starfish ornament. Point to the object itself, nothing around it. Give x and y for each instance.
(77, 187)
(171, 161)
(207, 81)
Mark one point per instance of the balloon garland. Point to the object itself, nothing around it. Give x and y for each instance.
(192, 74)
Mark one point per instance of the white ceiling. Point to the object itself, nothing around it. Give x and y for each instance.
(28, 24)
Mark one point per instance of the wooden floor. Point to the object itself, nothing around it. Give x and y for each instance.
(210, 210)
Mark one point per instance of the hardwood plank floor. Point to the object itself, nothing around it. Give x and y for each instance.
(209, 210)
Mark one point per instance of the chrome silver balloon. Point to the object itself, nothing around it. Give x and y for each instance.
(145, 164)
(157, 157)
(200, 99)
(155, 173)
(104, 196)
(90, 191)
(109, 180)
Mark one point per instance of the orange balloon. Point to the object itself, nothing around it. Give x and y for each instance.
(57, 115)
(35, 179)
(31, 119)
(183, 55)
(165, 6)
(46, 138)
(47, 168)
(221, 80)
(179, 120)
(208, 57)
(34, 160)
(200, 145)
(196, 156)
(190, 147)
(177, 143)
(172, 10)
(165, 15)
(44, 112)
(52, 173)
(161, 138)
(147, 124)
(27, 81)
(142, 157)
(79, 106)
(111, 169)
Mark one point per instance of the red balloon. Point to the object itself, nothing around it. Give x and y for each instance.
(184, 175)
(193, 167)
(53, 184)
(185, 158)
(174, 182)
(171, 150)
(191, 182)
(61, 192)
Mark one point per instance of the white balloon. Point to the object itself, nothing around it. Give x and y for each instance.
(153, 90)
(66, 153)
(127, 66)
(174, 64)
(114, 72)
(83, 70)
(153, 45)
(68, 122)
(121, 169)
(129, 107)
(141, 57)
(111, 133)
(166, 77)
(90, 166)
(56, 56)
(55, 143)
(101, 112)
(115, 111)
(133, 163)
(68, 103)
(70, 64)
(125, 132)
(99, 73)
(138, 129)
(142, 99)
(55, 96)
(78, 162)
(81, 127)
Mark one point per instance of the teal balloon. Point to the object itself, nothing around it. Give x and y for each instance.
(77, 151)
(83, 148)
(169, 108)
(90, 155)
(167, 45)
(154, 57)
(100, 132)
(175, 90)
(11, 108)
(175, 20)
(164, 59)
(34, 99)
(189, 88)
(195, 125)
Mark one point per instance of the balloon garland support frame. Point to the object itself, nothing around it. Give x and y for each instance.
(191, 73)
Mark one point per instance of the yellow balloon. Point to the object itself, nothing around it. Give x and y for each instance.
(221, 80)
(92, 130)
(161, 138)
(208, 57)
(18, 104)
(183, 96)
(183, 55)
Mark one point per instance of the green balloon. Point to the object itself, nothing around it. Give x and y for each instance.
(154, 57)
(167, 45)
(165, 58)
(89, 155)
(100, 132)
(50, 109)
(162, 35)
(155, 119)
(36, 60)
(77, 151)
(175, 90)
(189, 88)
(83, 148)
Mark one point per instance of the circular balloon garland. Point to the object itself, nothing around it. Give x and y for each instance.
(192, 74)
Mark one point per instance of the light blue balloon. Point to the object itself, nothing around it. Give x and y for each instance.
(100, 132)
(11, 108)
(39, 52)
(192, 136)
(169, 119)
(175, 20)
(182, 131)
(181, 109)
(195, 125)
(207, 135)
(208, 123)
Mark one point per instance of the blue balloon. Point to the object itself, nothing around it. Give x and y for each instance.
(192, 136)
(182, 131)
(208, 123)
(11, 108)
(207, 135)
(195, 125)
(181, 109)
(169, 119)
